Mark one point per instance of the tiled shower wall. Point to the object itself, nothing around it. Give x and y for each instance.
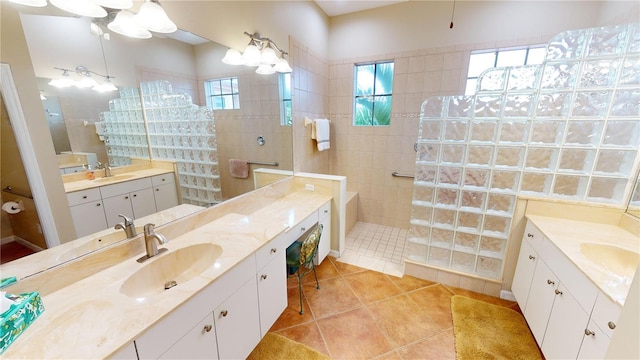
(568, 129)
(310, 94)
(368, 155)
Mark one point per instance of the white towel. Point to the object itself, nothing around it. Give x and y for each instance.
(321, 133)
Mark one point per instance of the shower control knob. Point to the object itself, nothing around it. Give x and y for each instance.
(611, 325)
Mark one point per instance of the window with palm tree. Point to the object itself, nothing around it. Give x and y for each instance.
(372, 98)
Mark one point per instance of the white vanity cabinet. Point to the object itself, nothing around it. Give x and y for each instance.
(221, 321)
(559, 302)
(272, 281)
(324, 218)
(131, 198)
(164, 191)
(237, 324)
(87, 211)
(98, 208)
(198, 343)
(527, 260)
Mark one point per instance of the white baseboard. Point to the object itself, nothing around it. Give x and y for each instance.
(8, 239)
(507, 295)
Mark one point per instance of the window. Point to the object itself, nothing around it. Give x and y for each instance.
(483, 60)
(222, 94)
(285, 99)
(372, 98)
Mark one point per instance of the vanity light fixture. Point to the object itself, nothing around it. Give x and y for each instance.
(86, 80)
(261, 52)
(150, 17)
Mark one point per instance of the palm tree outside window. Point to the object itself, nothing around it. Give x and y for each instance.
(373, 93)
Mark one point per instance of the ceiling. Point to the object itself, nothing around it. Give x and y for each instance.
(341, 7)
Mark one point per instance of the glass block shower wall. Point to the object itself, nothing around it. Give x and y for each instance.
(178, 131)
(566, 129)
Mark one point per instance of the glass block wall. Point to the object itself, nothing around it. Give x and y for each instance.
(178, 131)
(566, 129)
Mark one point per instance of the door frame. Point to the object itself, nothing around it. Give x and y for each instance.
(27, 154)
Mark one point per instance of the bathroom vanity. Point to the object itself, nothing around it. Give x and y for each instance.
(228, 263)
(95, 204)
(571, 281)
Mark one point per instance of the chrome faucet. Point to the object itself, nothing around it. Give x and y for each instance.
(150, 238)
(107, 168)
(127, 225)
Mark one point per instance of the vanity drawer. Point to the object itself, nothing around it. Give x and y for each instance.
(270, 251)
(324, 210)
(295, 232)
(606, 314)
(125, 187)
(163, 179)
(533, 235)
(84, 196)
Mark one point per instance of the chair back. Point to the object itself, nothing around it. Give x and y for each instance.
(310, 245)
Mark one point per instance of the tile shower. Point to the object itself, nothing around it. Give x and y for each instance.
(177, 129)
(568, 129)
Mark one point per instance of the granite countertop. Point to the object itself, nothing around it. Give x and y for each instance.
(570, 235)
(91, 318)
(84, 184)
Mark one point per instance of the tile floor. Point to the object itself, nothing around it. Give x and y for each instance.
(376, 247)
(13, 250)
(363, 314)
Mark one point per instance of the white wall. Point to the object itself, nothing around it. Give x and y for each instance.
(425, 24)
(225, 21)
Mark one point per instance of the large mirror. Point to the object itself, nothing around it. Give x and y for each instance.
(256, 131)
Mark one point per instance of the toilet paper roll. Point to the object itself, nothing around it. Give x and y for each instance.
(12, 207)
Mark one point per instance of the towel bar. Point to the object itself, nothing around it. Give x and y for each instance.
(308, 121)
(397, 174)
(11, 191)
(273, 163)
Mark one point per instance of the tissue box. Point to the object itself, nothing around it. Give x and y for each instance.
(20, 315)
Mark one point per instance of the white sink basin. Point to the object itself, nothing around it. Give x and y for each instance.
(114, 178)
(620, 261)
(179, 266)
(94, 244)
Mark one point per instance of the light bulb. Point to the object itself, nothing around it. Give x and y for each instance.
(251, 56)
(265, 69)
(124, 24)
(269, 56)
(153, 18)
(282, 66)
(80, 7)
(233, 57)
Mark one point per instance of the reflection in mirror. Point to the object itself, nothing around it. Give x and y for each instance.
(187, 62)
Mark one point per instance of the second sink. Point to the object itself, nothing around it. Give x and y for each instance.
(620, 261)
(171, 269)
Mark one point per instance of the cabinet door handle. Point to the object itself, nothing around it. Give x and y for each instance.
(263, 276)
(612, 325)
(558, 292)
(531, 257)
(84, 197)
(274, 250)
(326, 211)
(551, 282)
(157, 189)
(589, 332)
(224, 313)
(302, 229)
(529, 235)
(207, 328)
(163, 179)
(98, 204)
(126, 197)
(135, 195)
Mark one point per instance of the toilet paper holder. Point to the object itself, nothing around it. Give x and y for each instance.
(13, 207)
